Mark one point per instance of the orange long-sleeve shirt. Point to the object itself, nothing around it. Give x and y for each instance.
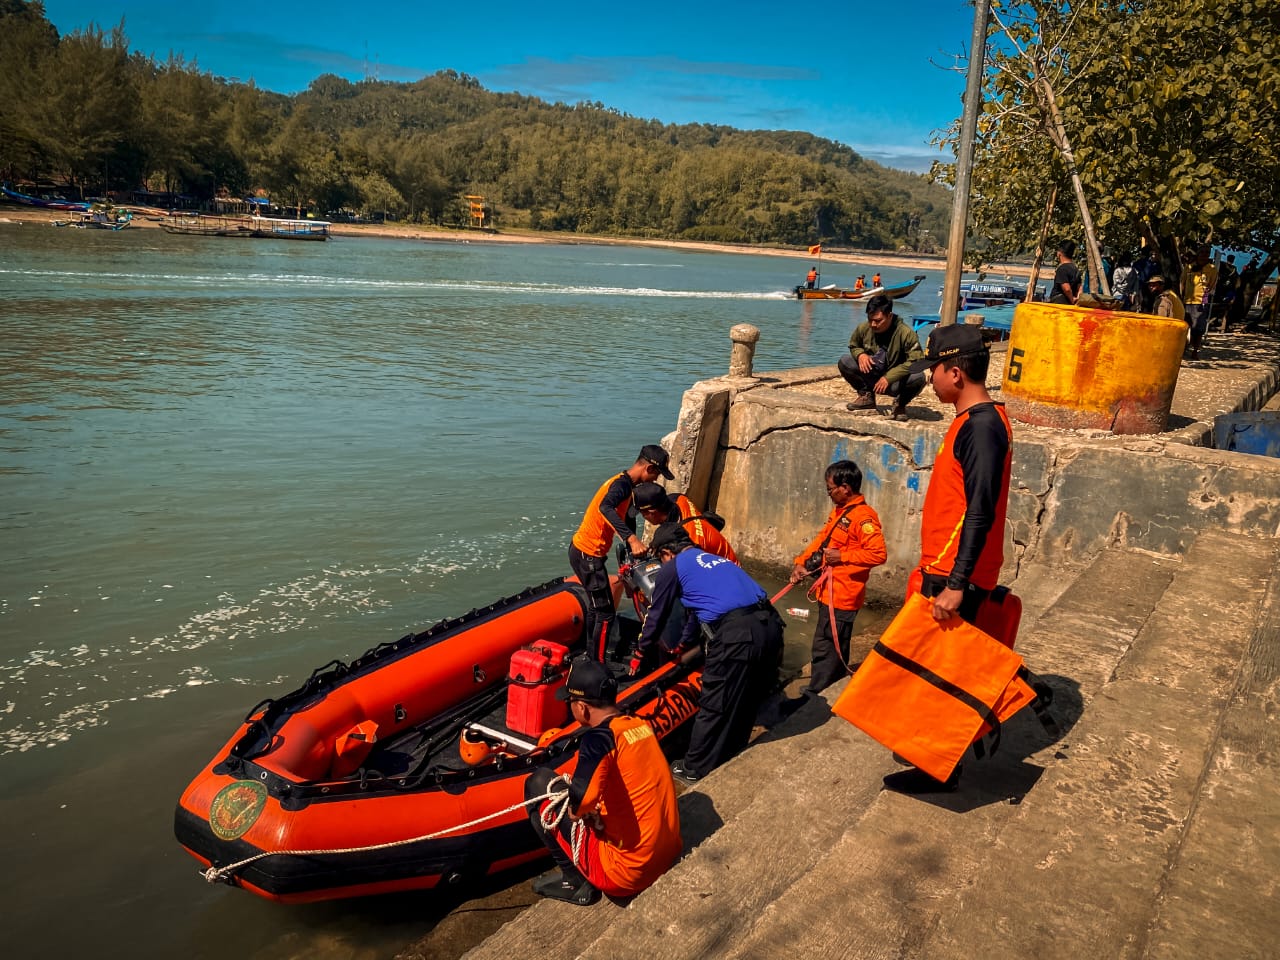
(855, 531)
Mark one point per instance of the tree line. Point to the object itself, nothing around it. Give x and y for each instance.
(84, 109)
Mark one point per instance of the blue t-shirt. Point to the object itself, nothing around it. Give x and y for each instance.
(709, 586)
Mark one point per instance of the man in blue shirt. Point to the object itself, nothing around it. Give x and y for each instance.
(744, 644)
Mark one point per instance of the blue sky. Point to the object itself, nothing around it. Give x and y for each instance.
(874, 76)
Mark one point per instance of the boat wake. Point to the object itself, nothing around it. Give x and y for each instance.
(314, 283)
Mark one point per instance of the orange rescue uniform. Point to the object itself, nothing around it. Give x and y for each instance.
(597, 529)
(854, 530)
(700, 531)
(962, 524)
(628, 782)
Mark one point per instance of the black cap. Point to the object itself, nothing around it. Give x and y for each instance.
(658, 457)
(589, 680)
(670, 536)
(950, 342)
(650, 496)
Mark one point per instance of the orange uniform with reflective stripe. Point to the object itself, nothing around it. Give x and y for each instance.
(701, 532)
(631, 787)
(855, 531)
(596, 532)
(962, 524)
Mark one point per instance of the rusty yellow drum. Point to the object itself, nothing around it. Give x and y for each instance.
(1087, 368)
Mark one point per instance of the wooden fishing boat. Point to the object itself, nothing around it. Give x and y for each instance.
(894, 292)
(197, 225)
(408, 749)
(290, 229)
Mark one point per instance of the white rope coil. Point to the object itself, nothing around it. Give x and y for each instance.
(559, 805)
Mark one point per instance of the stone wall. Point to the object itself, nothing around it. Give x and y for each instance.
(1072, 492)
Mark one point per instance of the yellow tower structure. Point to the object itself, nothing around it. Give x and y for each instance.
(478, 212)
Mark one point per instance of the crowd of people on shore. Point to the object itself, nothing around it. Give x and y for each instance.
(622, 787)
(1205, 290)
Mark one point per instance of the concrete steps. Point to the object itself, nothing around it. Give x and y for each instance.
(1057, 849)
(1220, 896)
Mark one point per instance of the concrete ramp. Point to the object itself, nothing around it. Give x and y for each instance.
(1106, 842)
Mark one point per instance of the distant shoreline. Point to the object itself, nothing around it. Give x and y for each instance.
(869, 258)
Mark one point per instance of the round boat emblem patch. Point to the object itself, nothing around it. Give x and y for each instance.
(236, 807)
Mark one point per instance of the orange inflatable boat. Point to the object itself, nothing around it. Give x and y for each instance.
(335, 790)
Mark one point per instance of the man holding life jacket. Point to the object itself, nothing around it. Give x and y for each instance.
(743, 650)
(962, 522)
(843, 554)
(621, 785)
(659, 507)
(605, 518)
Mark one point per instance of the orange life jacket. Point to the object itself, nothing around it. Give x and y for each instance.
(595, 533)
(944, 512)
(700, 531)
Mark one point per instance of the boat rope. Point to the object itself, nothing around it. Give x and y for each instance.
(815, 591)
(558, 796)
(555, 811)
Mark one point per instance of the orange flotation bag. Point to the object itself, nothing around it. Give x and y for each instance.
(927, 690)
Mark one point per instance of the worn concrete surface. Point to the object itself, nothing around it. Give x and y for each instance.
(1073, 491)
(1108, 841)
(1150, 828)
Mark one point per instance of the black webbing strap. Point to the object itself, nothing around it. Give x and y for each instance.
(1041, 704)
(946, 686)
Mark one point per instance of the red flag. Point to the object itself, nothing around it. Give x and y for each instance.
(815, 250)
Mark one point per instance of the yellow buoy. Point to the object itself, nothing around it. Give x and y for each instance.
(1087, 368)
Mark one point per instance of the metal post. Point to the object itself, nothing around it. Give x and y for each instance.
(964, 163)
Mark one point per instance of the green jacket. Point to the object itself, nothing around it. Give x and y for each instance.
(899, 342)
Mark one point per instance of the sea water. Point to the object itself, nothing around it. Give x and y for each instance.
(226, 462)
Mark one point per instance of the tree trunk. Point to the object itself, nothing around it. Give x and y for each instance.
(1058, 133)
(1044, 236)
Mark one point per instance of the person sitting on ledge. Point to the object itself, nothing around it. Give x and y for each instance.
(881, 351)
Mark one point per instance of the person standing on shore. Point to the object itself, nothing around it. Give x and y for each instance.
(843, 554)
(605, 518)
(1198, 281)
(1164, 303)
(963, 518)
(1066, 279)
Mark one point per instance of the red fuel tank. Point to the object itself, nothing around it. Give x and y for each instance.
(536, 673)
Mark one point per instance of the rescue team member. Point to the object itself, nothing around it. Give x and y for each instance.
(606, 517)
(811, 278)
(849, 545)
(744, 644)
(962, 522)
(658, 507)
(621, 784)
(875, 281)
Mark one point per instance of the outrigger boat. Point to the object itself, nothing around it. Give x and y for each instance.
(196, 225)
(56, 203)
(378, 775)
(894, 292)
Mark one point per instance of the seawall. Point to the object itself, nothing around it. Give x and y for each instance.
(754, 448)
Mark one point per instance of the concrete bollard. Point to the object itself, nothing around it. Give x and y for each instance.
(744, 337)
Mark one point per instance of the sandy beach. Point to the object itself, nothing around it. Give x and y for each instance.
(868, 258)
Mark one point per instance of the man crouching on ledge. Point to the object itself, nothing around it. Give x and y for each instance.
(621, 787)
